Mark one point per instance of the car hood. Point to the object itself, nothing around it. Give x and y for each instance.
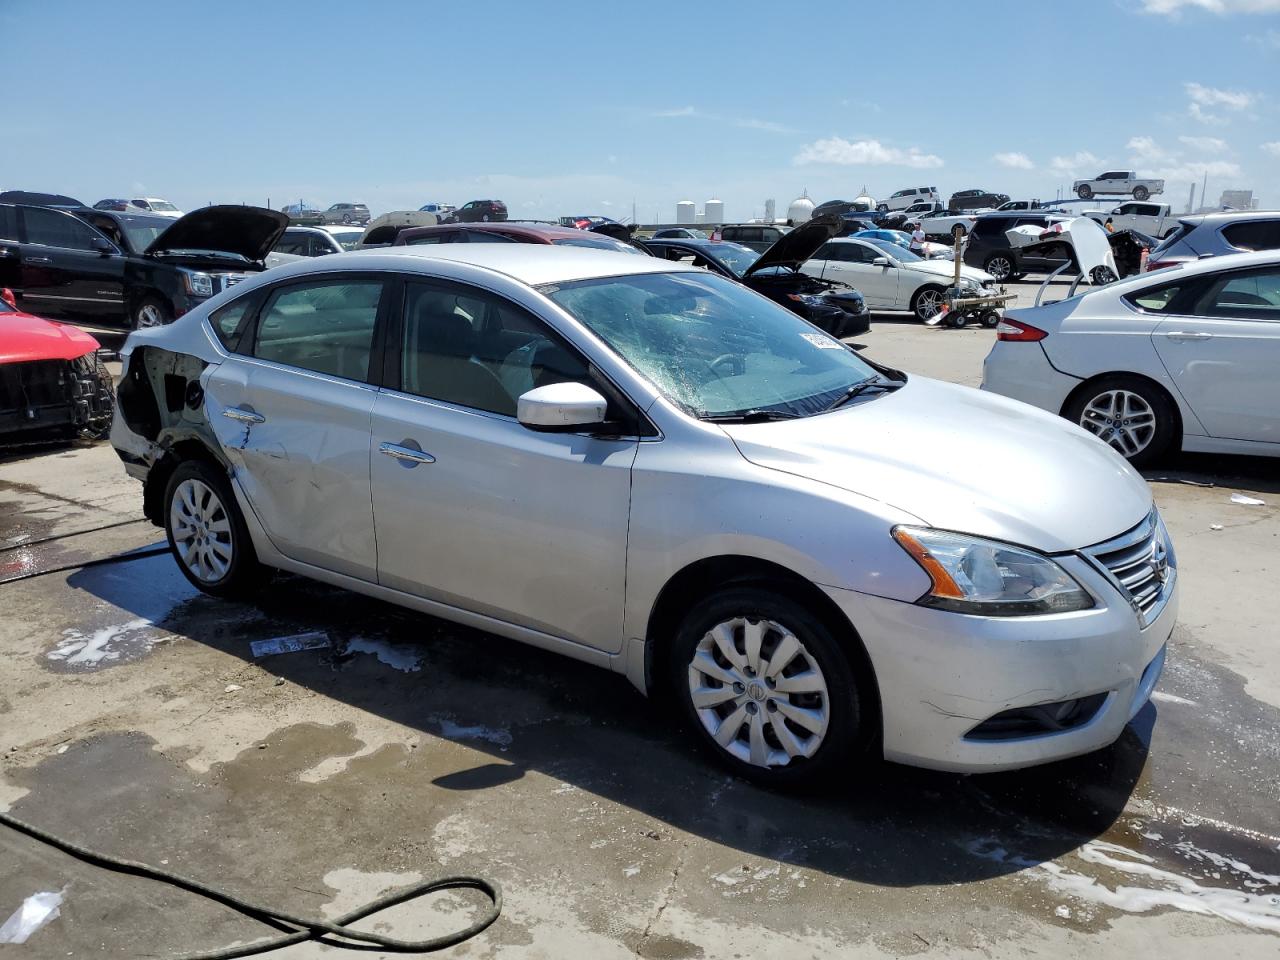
(24, 338)
(249, 232)
(794, 248)
(962, 460)
(947, 269)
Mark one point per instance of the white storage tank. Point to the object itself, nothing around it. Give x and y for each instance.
(713, 211)
(685, 211)
(801, 210)
(769, 213)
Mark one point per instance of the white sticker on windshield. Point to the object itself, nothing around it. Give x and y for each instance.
(823, 342)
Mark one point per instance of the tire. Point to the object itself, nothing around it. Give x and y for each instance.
(1148, 420)
(207, 533)
(1000, 266)
(991, 318)
(346, 218)
(882, 208)
(151, 311)
(926, 302)
(1141, 193)
(786, 753)
(484, 218)
(1084, 191)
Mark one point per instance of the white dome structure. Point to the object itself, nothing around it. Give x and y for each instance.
(801, 210)
(713, 211)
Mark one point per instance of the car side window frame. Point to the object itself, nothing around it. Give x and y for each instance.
(633, 420)
(247, 333)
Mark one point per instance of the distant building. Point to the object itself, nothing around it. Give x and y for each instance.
(1238, 200)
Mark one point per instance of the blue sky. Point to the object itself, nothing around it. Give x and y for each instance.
(585, 107)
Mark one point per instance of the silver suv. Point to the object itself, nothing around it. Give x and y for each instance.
(347, 213)
(656, 470)
(1216, 234)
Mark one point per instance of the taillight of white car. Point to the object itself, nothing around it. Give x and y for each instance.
(1015, 331)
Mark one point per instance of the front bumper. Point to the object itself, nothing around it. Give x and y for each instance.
(942, 674)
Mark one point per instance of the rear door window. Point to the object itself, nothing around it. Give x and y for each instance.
(8, 224)
(1244, 296)
(324, 326)
(1253, 234)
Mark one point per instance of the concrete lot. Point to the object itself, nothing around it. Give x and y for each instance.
(134, 718)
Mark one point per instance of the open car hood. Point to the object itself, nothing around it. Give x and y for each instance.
(249, 232)
(794, 248)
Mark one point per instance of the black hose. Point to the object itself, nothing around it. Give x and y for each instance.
(140, 554)
(73, 533)
(333, 933)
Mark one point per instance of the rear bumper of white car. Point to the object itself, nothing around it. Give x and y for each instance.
(943, 676)
(1023, 371)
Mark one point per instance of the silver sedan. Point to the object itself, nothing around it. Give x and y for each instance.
(658, 471)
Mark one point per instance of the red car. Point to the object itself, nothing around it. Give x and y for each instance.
(52, 383)
(511, 232)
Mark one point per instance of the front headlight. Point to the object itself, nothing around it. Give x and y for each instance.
(198, 284)
(971, 575)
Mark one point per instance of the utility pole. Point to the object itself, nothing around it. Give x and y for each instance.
(1204, 187)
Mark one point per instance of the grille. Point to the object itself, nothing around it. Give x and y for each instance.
(37, 383)
(1140, 563)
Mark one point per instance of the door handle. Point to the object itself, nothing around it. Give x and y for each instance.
(1188, 335)
(243, 415)
(38, 259)
(406, 455)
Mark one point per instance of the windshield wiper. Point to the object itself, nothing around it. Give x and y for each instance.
(749, 416)
(871, 383)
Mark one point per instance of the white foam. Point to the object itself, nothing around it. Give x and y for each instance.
(1160, 888)
(104, 645)
(395, 657)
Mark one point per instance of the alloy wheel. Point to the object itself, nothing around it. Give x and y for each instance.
(999, 267)
(928, 304)
(758, 692)
(1122, 418)
(149, 315)
(201, 531)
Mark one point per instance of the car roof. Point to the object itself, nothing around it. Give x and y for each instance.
(530, 263)
(1222, 216)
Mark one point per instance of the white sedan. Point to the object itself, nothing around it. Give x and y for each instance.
(891, 278)
(1187, 356)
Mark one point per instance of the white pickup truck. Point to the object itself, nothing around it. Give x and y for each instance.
(1153, 219)
(1117, 182)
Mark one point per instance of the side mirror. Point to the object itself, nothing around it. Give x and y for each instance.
(102, 245)
(880, 262)
(7, 296)
(560, 407)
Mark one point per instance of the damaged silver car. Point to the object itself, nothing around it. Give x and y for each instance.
(653, 469)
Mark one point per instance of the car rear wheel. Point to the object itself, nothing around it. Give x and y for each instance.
(882, 208)
(767, 688)
(207, 533)
(1000, 266)
(346, 218)
(151, 312)
(484, 218)
(1084, 191)
(927, 303)
(1141, 193)
(1134, 416)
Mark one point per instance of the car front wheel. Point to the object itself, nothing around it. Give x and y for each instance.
(1000, 266)
(151, 312)
(1134, 416)
(766, 687)
(927, 303)
(207, 533)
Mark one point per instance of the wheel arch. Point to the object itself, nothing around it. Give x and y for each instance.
(1175, 402)
(179, 451)
(702, 577)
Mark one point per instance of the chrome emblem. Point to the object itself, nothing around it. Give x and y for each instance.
(1160, 561)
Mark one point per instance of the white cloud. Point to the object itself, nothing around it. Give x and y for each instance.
(1152, 160)
(1017, 161)
(1219, 7)
(1205, 144)
(751, 123)
(1272, 148)
(748, 123)
(1268, 39)
(1081, 162)
(837, 150)
(1201, 99)
(675, 112)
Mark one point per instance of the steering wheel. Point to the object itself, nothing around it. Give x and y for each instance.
(736, 363)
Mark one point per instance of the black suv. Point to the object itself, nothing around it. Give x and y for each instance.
(963, 200)
(138, 269)
(478, 211)
(989, 249)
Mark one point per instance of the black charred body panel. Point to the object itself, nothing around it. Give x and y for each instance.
(54, 398)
